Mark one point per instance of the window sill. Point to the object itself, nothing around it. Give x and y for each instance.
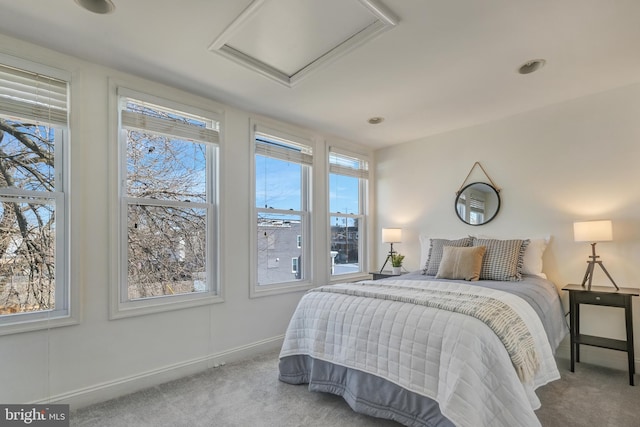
(37, 325)
(349, 278)
(160, 305)
(279, 289)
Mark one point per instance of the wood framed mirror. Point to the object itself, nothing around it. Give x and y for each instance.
(478, 203)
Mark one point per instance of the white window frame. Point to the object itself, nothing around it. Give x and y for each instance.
(306, 280)
(362, 173)
(120, 305)
(66, 311)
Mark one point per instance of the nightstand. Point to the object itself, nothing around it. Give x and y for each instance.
(604, 296)
(385, 274)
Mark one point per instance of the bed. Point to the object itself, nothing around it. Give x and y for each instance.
(461, 349)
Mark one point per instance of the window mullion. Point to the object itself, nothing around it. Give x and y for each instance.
(170, 203)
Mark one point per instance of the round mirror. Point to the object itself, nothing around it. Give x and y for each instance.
(477, 203)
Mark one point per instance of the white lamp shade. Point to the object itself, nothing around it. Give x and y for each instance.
(593, 231)
(391, 235)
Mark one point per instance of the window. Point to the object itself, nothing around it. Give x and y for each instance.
(348, 178)
(471, 208)
(34, 284)
(282, 194)
(168, 176)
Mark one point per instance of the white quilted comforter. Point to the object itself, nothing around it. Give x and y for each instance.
(450, 357)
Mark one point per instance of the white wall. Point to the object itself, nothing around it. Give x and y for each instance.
(576, 160)
(99, 358)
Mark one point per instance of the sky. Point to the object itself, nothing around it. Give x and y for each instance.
(278, 186)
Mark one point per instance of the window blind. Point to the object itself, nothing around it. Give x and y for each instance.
(270, 146)
(169, 127)
(343, 164)
(476, 205)
(32, 95)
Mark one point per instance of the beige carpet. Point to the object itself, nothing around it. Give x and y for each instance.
(249, 394)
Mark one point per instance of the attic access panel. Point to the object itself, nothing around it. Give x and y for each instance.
(287, 40)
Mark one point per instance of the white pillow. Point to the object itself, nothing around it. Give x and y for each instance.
(532, 260)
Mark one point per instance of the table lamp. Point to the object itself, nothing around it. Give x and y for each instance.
(593, 232)
(391, 236)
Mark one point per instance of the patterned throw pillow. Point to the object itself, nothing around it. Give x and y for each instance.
(503, 259)
(435, 253)
(461, 263)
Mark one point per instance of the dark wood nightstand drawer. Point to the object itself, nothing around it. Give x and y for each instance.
(599, 299)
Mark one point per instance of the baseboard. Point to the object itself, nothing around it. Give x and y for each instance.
(597, 356)
(97, 393)
(111, 389)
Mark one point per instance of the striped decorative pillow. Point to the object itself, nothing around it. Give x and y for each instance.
(435, 253)
(503, 259)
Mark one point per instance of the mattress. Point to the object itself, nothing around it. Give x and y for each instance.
(418, 364)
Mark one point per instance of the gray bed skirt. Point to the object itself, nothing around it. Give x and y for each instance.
(365, 393)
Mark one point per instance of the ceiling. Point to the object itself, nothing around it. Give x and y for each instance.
(445, 64)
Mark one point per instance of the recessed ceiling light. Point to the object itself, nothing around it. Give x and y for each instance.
(97, 6)
(531, 66)
(376, 120)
